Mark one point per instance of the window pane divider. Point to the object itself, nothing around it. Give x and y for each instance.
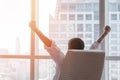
(112, 58)
(26, 56)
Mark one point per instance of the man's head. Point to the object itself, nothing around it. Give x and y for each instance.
(76, 43)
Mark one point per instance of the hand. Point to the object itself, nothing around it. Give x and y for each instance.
(107, 29)
(33, 26)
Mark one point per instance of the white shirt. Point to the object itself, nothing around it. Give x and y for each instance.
(95, 45)
(58, 56)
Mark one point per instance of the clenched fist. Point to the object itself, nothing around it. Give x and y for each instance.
(33, 26)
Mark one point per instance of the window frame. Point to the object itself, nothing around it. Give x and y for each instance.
(32, 57)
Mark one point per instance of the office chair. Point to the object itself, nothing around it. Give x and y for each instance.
(82, 65)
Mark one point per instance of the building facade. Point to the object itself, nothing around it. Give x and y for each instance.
(80, 18)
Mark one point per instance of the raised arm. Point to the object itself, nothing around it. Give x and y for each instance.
(96, 44)
(43, 38)
(106, 31)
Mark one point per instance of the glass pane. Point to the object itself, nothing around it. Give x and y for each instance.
(44, 15)
(61, 23)
(112, 70)
(14, 69)
(114, 22)
(45, 69)
(14, 30)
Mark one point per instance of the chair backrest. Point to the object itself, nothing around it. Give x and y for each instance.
(82, 65)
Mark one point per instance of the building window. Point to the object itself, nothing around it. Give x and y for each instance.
(114, 42)
(80, 17)
(80, 7)
(96, 16)
(88, 16)
(118, 6)
(113, 7)
(64, 7)
(63, 17)
(71, 17)
(113, 16)
(88, 28)
(114, 78)
(80, 27)
(63, 28)
(96, 31)
(71, 28)
(63, 35)
(88, 41)
(113, 35)
(88, 7)
(96, 7)
(53, 29)
(72, 7)
(88, 35)
(54, 35)
(114, 48)
(114, 28)
(80, 35)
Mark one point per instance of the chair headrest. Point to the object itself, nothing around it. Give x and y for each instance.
(82, 65)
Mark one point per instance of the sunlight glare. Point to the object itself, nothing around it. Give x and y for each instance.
(46, 7)
(14, 18)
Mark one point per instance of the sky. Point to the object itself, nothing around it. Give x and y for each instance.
(14, 22)
(46, 7)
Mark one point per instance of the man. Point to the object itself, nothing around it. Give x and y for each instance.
(55, 52)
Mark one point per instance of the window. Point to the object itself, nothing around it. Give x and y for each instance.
(64, 7)
(88, 35)
(113, 39)
(71, 17)
(80, 27)
(88, 17)
(80, 7)
(96, 33)
(15, 40)
(88, 7)
(21, 48)
(53, 29)
(113, 42)
(113, 6)
(114, 48)
(114, 27)
(53, 35)
(80, 35)
(113, 35)
(96, 7)
(63, 17)
(63, 36)
(88, 28)
(72, 7)
(63, 27)
(88, 41)
(96, 16)
(80, 17)
(113, 16)
(71, 28)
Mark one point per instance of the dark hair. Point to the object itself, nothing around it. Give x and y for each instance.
(76, 43)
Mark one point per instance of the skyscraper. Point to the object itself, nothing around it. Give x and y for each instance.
(75, 18)
(80, 18)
